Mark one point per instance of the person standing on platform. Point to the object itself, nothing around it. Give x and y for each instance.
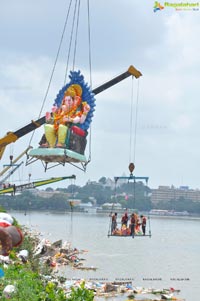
(132, 224)
(114, 223)
(143, 222)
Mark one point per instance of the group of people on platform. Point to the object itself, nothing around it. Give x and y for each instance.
(130, 225)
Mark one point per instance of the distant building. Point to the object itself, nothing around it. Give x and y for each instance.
(74, 202)
(85, 205)
(162, 212)
(89, 182)
(48, 194)
(167, 193)
(110, 183)
(92, 200)
(112, 206)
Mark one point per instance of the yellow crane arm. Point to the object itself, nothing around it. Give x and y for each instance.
(9, 138)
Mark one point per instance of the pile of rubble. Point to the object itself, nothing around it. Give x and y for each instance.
(107, 290)
(56, 254)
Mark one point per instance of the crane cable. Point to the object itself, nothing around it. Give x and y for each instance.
(77, 12)
(54, 66)
(135, 132)
(71, 203)
(71, 38)
(76, 35)
(112, 208)
(90, 70)
(135, 124)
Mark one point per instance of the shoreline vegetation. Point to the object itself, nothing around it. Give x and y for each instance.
(28, 273)
(98, 196)
(108, 213)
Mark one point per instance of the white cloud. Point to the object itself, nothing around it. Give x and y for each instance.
(182, 122)
(182, 41)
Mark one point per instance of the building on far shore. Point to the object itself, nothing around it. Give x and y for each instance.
(167, 193)
(48, 193)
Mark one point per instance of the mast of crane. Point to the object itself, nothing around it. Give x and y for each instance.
(14, 161)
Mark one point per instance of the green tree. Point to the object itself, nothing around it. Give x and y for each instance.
(102, 180)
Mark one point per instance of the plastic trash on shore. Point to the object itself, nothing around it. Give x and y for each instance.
(23, 255)
(1, 273)
(6, 217)
(4, 223)
(8, 291)
(68, 284)
(5, 259)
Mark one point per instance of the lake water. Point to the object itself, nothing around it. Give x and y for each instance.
(170, 258)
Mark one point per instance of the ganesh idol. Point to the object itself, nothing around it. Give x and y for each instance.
(72, 111)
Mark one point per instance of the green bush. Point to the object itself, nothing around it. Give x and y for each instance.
(28, 279)
(81, 294)
(29, 283)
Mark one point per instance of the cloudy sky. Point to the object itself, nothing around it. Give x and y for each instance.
(163, 45)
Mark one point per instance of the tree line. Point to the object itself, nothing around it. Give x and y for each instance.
(129, 195)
